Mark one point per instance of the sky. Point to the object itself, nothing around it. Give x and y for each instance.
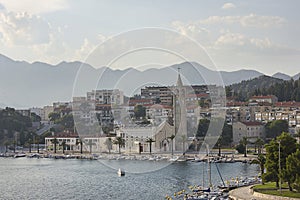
(232, 35)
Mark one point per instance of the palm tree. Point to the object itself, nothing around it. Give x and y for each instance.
(79, 141)
(150, 141)
(259, 143)
(245, 142)
(37, 142)
(261, 161)
(90, 143)
(120, 142)
(172, 138)
(6, 145)
(108, 143)
(14, 143)
(29, 145)
(55, 142)
(63, 146)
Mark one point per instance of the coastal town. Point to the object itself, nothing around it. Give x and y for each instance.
(107, 121)
(165, 123)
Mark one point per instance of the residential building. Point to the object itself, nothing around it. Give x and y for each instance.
(47, 110)
(251, 130)
(114, 97)
(271, 99)
(159, 113)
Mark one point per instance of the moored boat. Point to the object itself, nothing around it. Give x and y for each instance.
(19, 155)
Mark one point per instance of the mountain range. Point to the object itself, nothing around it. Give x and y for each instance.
(24, 84)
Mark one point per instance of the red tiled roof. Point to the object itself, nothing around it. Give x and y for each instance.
(253, 123)
(263, 97)
(159, 106)
(237, 103)
(288, 104)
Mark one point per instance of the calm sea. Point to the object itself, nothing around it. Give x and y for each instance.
(25, 178)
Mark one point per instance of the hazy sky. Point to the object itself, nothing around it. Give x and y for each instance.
(256, 34)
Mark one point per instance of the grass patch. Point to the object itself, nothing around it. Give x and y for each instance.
(270, 188)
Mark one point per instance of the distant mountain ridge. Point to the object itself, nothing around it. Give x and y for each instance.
(281, 76)
(25, 85)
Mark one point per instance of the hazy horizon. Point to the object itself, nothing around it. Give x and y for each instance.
(236, 35)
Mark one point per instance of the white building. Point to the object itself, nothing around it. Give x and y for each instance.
(73, 144)
(136, 138)
(251, 130)
(115, 97)
(271, 99)
(158, 113)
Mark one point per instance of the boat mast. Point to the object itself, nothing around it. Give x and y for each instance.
(209, 166)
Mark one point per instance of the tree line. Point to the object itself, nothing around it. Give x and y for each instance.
(264, 85)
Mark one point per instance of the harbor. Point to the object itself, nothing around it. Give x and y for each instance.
(90, 179)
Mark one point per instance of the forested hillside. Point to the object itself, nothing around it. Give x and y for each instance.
(266, 85)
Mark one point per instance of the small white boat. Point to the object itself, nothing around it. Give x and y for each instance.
(20, 155)
(173, 159)
(121, 172)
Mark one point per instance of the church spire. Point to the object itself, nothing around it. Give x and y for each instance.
(179, 81)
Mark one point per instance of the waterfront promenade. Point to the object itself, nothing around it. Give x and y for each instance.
(243, 193)
(246, 193)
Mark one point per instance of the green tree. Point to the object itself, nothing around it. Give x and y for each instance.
(63, 144)
(79, 142)
(259, 144)
(287, 147)
(120, 142)
(150, 141)
(292, 170)
(35, 118)
(227, 136)
(29, 142)
(240, 147)
(245, 143)
(54, 116)
(67, 121)
(6, 145)
(172, 139)
(37, 142)
(108, 143)
(261, 161)
(202, 127)
(272, 170)
(55, 142)
(90, 143)
(139, 111)
(14, 144)
(276, 127)
(11, 121)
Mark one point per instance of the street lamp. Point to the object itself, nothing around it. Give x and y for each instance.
(279, 167)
